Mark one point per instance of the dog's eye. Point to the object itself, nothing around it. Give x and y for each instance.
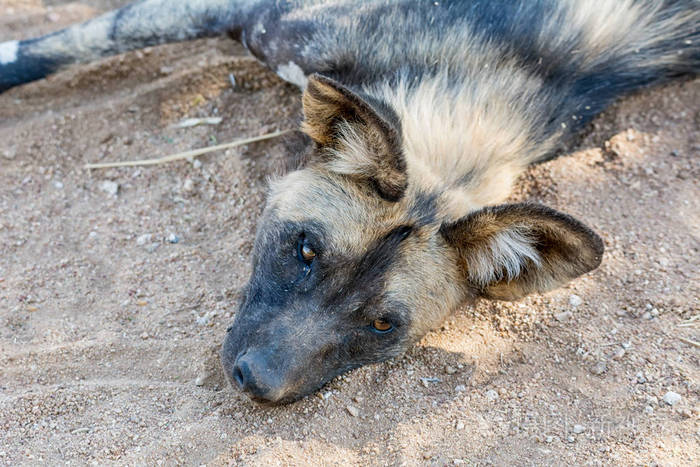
(379, 325)
(305, 253)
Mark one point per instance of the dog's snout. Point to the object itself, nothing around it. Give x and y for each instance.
(252, 374)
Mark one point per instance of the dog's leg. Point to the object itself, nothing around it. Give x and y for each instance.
(141, 24)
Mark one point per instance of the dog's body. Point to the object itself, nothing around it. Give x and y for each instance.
(421, 113)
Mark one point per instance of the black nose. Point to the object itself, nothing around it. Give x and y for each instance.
(253, 375)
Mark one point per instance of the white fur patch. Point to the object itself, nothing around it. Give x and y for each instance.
(8, 52)
(503, 258)
(292, 73)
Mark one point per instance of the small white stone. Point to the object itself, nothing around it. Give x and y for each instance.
(460, 426)
(197, 164)
(564, 316)
(292, 73)
(575, 300)
(352, 410)
(649, 410)
(109, 187)
(672, 398)
(599, 368)
(58, 185)
(172, 238)
(188, 185)
(8, 52)
(578, 429)
(491, 395)
(143, 239)
(460, 388)
(619, 354)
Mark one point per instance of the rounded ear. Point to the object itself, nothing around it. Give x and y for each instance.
(354, 138)
(509, 251)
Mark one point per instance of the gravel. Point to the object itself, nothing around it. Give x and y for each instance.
(564, 316)
(599, 368)
(143, 239)
(575, 300)
(578, 429)
(491, 395)
(352, 410)
(109, 187)
(619, 353)
(672, 398)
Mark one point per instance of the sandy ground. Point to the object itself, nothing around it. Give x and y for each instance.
(109, 332)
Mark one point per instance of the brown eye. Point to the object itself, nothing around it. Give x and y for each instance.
(305, 252)
(381, 325)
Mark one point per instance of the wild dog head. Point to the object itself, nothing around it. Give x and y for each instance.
(353, 263)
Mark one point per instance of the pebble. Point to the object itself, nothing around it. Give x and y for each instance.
(578, 429)
(599, 368)
(460, 388)
(188, 185)
(649, 410)
(549, 439)
(143, 239)
(9, 153)
(460, 426)
(109, 187)
(640, 378)
(571, 439)
(426, 381)
(199, 381)
(564, 316)
(152, 247)
(352, 410)
(672, 398)
(647, 315)
(92, 235)
(619, 354)
(491, 395)
(575, 300)
(450, 370)
(58, 185)
(172, 238)
(197, 164)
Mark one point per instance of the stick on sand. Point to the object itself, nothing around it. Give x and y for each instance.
(186, 154)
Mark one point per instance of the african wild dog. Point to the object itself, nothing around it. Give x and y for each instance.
(421, 114)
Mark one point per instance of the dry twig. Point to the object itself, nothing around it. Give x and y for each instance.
(186, 154)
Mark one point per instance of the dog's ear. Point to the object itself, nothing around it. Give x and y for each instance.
(353, 137)
(512, 250)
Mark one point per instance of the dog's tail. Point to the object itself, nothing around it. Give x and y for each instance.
(138, 25)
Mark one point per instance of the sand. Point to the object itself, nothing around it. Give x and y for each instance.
(109, 331)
